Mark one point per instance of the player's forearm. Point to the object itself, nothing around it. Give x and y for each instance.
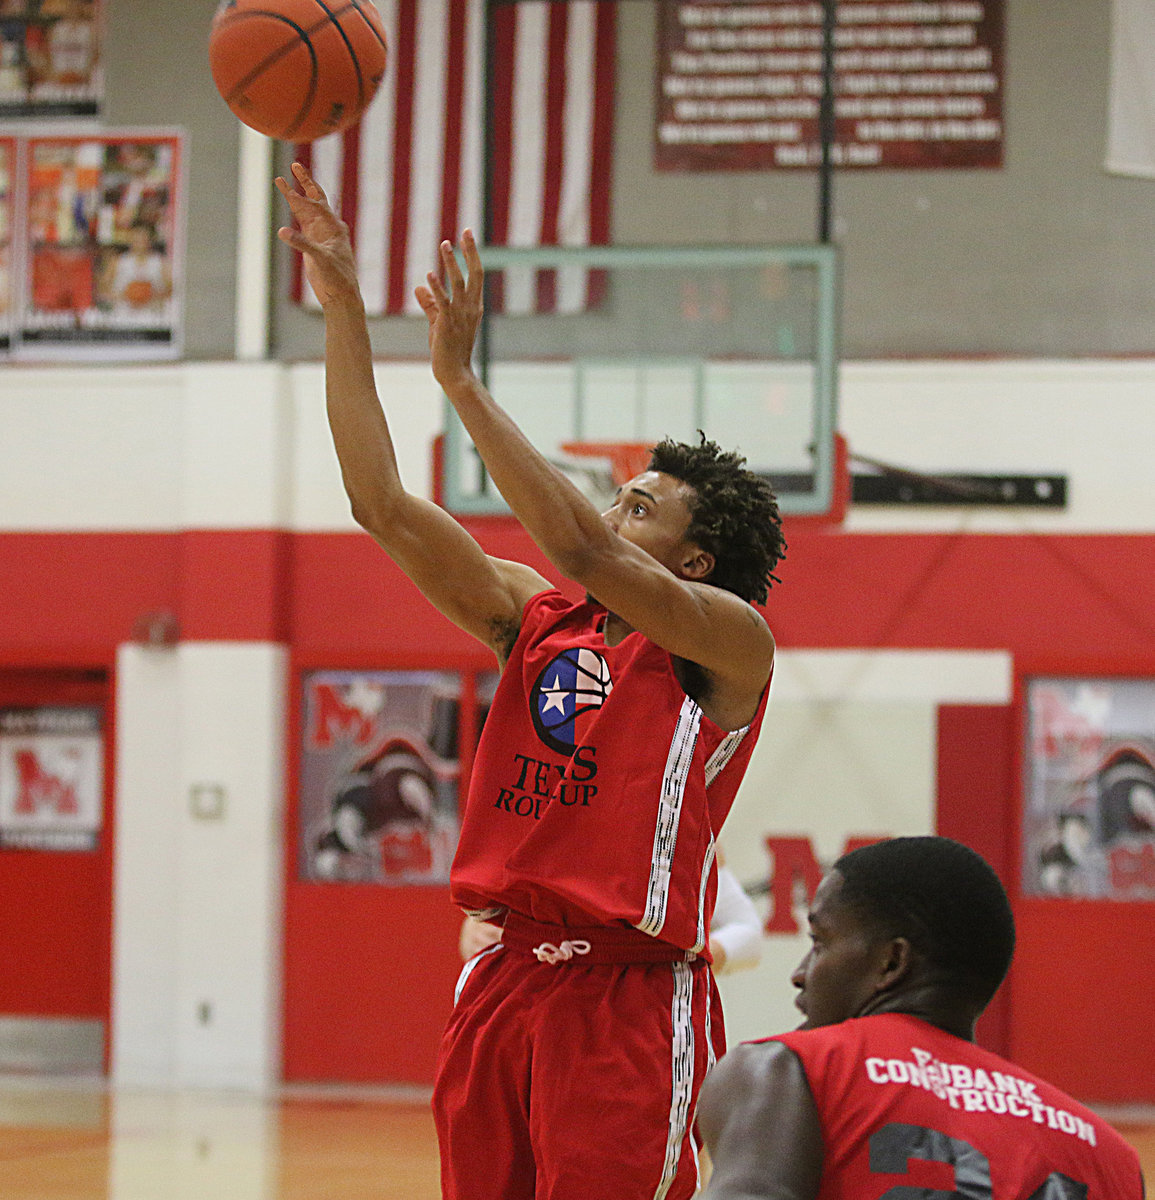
(356, 419)
(561, 520)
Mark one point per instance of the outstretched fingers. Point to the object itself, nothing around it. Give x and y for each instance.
(310, 197)
(476, 273)
(452, 269)
(308, 184)
(436, 288)
(428, 302)
(450, 287)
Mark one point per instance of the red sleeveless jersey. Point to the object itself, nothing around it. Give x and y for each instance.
(598, 786)
(908, 1109)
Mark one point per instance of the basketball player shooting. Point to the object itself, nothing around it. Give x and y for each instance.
(620, 730)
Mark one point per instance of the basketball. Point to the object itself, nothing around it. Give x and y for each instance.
(297, 69)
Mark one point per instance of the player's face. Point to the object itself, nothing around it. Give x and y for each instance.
(653, 513)
(837, 977)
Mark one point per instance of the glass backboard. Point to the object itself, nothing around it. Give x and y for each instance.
(611, 344)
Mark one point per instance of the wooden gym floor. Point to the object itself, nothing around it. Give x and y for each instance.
(66, 1139)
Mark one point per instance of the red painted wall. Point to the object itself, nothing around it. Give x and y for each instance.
(975, 805)
(1072, 602)
(1081, 996)
(56, 935)
(1076, 597)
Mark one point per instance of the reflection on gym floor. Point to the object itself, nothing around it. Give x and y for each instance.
(78, 1140)
(73, 1139)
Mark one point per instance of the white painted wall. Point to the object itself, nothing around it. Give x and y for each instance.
(235, 445)
(413, 402)
(1088, 419)
(146, 948)
(198, 864)
(848, 748)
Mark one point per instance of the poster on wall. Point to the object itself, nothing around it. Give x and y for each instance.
(739, 85)
(102, 247)
(380, 772)
(50, 58)
(1089, 816)
(7, 217)
(51, 777)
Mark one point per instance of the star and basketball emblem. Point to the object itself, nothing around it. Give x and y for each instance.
(566, 697)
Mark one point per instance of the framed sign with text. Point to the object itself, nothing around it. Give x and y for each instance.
(739, 85)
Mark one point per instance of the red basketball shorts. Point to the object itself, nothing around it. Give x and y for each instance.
(576, 1078)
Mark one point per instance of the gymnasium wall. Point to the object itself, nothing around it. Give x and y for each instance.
(1049, 256)
(211, 491)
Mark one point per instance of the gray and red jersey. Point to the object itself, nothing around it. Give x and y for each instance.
(909, 1109)
(598, 785)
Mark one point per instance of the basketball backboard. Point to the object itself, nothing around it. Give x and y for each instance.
(624, 346)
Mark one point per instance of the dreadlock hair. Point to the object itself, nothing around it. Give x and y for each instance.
(733, 514)
(944, 899)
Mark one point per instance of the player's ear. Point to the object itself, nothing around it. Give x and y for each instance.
(697, 564)
(896, 961)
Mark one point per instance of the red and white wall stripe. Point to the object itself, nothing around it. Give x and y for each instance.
(211, 492)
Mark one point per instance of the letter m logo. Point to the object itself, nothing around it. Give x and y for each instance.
(332, 718)
(795, 874)
(39, 788)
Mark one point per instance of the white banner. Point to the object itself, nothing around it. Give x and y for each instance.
(1131, 106)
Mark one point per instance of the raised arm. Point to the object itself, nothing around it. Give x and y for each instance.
(666, 600)
(759, 1122)
(483, 595)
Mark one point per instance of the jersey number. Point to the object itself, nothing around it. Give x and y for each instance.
(893, 1146)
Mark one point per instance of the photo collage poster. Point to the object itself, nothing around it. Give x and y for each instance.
(1089, 812)
(50, 58)
(91, 221)
(7, 220)
(99, 246)
(380, 777)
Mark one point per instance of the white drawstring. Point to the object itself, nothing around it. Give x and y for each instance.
(548, 953)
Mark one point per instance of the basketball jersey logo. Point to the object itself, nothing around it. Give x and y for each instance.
(566, 697)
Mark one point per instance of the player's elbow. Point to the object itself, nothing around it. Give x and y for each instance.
(376, 512)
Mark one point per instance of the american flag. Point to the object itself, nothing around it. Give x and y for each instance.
(410, 173)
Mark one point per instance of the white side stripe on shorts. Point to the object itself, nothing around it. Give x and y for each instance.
(682, 1072)
(467, 970)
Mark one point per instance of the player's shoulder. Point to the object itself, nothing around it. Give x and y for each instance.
(750, 1076)
(755, 1062)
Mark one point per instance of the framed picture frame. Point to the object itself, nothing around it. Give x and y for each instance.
(1088, 827)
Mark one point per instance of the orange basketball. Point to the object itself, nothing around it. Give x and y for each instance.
(297, 69)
